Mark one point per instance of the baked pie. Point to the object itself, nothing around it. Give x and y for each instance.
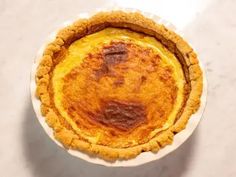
(118, 84)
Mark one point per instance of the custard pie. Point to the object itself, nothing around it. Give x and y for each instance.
(118, 84)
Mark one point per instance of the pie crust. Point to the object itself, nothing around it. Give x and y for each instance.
(120, 134)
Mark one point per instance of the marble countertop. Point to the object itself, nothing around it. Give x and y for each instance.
(26, 150)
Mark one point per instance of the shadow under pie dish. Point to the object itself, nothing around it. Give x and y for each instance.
(118, 84)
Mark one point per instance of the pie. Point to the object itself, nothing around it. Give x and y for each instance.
(118, 84)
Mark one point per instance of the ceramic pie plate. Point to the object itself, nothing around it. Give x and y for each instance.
(144, 157)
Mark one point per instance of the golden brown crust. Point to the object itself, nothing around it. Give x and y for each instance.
(137, 22)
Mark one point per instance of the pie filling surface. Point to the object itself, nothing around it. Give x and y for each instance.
(118, 88)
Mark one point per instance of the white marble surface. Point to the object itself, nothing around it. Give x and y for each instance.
(25, 149)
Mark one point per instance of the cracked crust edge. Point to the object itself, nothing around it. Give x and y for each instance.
(137, 22)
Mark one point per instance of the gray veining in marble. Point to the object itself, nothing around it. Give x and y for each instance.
(25, 149)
